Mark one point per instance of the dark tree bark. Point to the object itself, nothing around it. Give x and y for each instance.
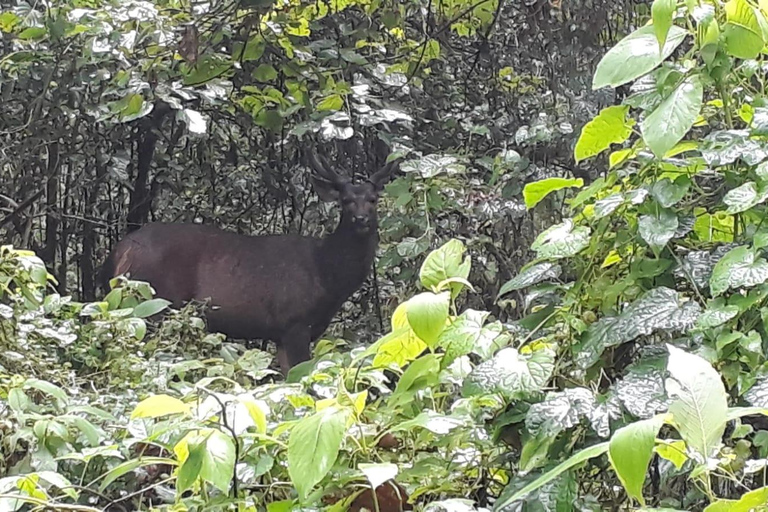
(51, 206)
(141, 198)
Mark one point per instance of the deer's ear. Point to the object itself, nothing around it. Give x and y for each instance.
(326, 190)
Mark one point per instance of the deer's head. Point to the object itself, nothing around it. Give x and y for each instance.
(357, 200)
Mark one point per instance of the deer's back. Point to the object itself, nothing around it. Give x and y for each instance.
(257, 286)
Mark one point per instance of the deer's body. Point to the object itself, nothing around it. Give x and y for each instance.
(285, 288)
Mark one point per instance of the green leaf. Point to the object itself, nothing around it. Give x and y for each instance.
(192, 465)
(157, 406)
(662, 12)
(313, 447)
(744, 197)
(716, 227)
(575, 459)
(399, 347)
(717, 313)
(265, 73)
(660, 309)
(255, 412)
(534, 192)
(561, 241)
(699, 405)
(668, 193)
(460, 337)
(8, 20)
(630, 452)
(150, 308)
(33, 33)
(738, 268)
(377, 474)
(530, 276)
(635, 55)
(420, 374)
(674, 116)
(446, 262)
(427, 313)
(742, 33)
(752, 501)
(332, 102)
(46, 387)
(218, 460)
(658, 229)
(611, 126)
(511, 374)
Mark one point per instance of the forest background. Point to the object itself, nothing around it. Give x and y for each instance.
(570, 262)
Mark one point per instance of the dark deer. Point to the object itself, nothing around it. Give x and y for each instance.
(285, 288)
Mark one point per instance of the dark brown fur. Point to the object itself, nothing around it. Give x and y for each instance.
(285, 288)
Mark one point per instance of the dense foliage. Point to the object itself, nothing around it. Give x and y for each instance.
(624, 364)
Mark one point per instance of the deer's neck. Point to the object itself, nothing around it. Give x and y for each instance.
(348, 255)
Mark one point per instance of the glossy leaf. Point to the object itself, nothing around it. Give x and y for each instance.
(674, 116)
(611, 126)
(635, 55)
(313, 447)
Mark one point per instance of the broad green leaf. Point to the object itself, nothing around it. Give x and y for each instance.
(715, 227)
(635, 55)
(561, 241)
(575, 459)
(699, 403)
(530, 276)
(658, 229)
(535, 451)
(630, 452)
(332, 102)
(662, 12)
(265, 73)
(752, 501)
(461, 335)
(668, 193)
(673, 117)
(150, 308)
(156, 406)
(377, 474)
(399, 347)
(660, 309)
(717, 313)
(420, 374)
(46, 387)
(33, 33)
(744, 197)
(739, 268)
(255, 411)
(313, 447)
(434, 422)
(446, 262)
(611, 126)
(190, 468)
(218, 460)
(673, 451)
(427, 313)
(742, 33)
(511, 374)
(534, 192)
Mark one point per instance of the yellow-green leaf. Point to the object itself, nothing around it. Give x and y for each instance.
(157, 406)
(611, 126)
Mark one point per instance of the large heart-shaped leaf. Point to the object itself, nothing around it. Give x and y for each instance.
(635, 55)
(674, 116)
